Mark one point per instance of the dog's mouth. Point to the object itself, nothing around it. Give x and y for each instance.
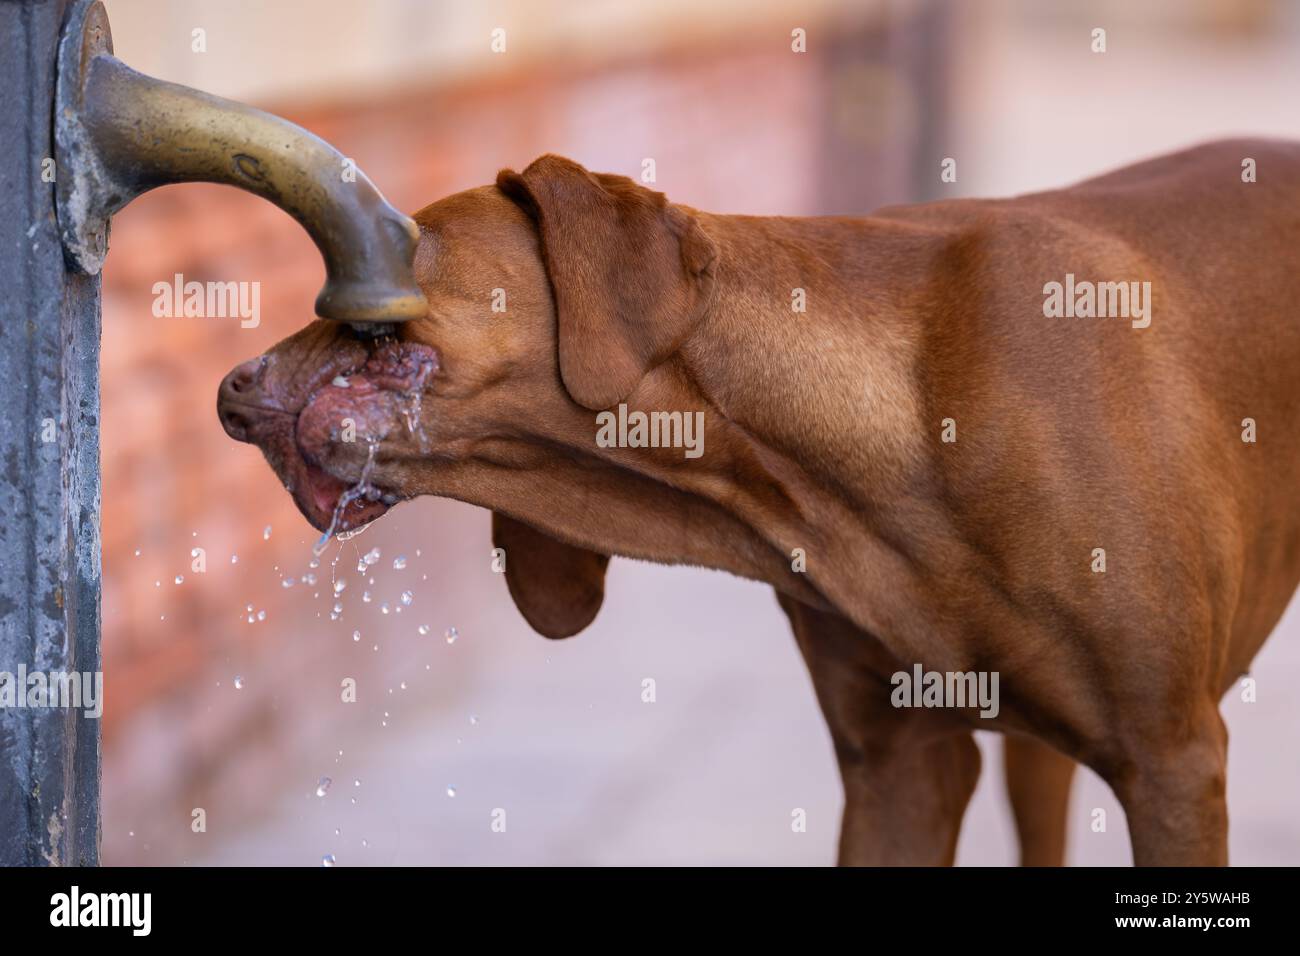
(357, 403)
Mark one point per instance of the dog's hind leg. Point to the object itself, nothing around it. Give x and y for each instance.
(1172, 786)
(1038, 785)
(907, 774)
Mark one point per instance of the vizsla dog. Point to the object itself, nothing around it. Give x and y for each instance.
(1047, 439)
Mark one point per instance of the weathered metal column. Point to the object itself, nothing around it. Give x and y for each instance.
(49, 469)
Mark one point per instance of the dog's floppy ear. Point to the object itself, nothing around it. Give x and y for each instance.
(558, 588)
(630, 273)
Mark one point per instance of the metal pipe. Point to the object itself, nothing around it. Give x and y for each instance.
(121, 133)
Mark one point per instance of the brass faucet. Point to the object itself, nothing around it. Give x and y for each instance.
(120, 133)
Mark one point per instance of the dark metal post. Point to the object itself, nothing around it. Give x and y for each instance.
(49, 467)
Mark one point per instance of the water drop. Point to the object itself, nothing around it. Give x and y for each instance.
(266, 533)
(371, 556)
(137, 552)
(423, 629)
(365, 597)
(407, 598)
(356, 635)
(473, 719)
(323, 787)
(399, 563)
(451, 791)
(451, 635)
(340, 586)
(261, 615)
(180, 579)
(239, 682)
(234, 559)
(327, 860)
(383, 608)
(287, 583)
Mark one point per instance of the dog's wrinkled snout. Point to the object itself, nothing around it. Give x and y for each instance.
(240, 400)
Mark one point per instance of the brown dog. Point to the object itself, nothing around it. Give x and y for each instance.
(1000, 438)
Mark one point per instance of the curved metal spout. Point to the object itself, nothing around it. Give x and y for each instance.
(120, 133)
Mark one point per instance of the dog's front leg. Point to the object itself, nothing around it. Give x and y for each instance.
(908, 774)
(1038, 783)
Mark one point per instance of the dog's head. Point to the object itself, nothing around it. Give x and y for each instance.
(552, 294)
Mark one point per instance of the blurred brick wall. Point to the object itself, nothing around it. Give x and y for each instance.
(749, 128)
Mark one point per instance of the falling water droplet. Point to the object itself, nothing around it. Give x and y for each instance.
(234, 559)
(137, 552)
(407, 598)
(261, 615)
(451, 791)
(266, 533)
(473, 719)
(287, 583)
(356, 635)
(327, 860)
(180, 579)
(340, 586)
(399, 563)
(239, 682)
(423, 629)
(403, 685)
(365, 597)
(451, 635)
(323, 787)
(383, 608)
(309, 579)
(372, 556)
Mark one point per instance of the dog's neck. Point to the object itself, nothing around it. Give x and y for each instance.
(808, 360)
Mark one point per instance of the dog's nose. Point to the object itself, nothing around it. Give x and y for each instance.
(239, 398)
